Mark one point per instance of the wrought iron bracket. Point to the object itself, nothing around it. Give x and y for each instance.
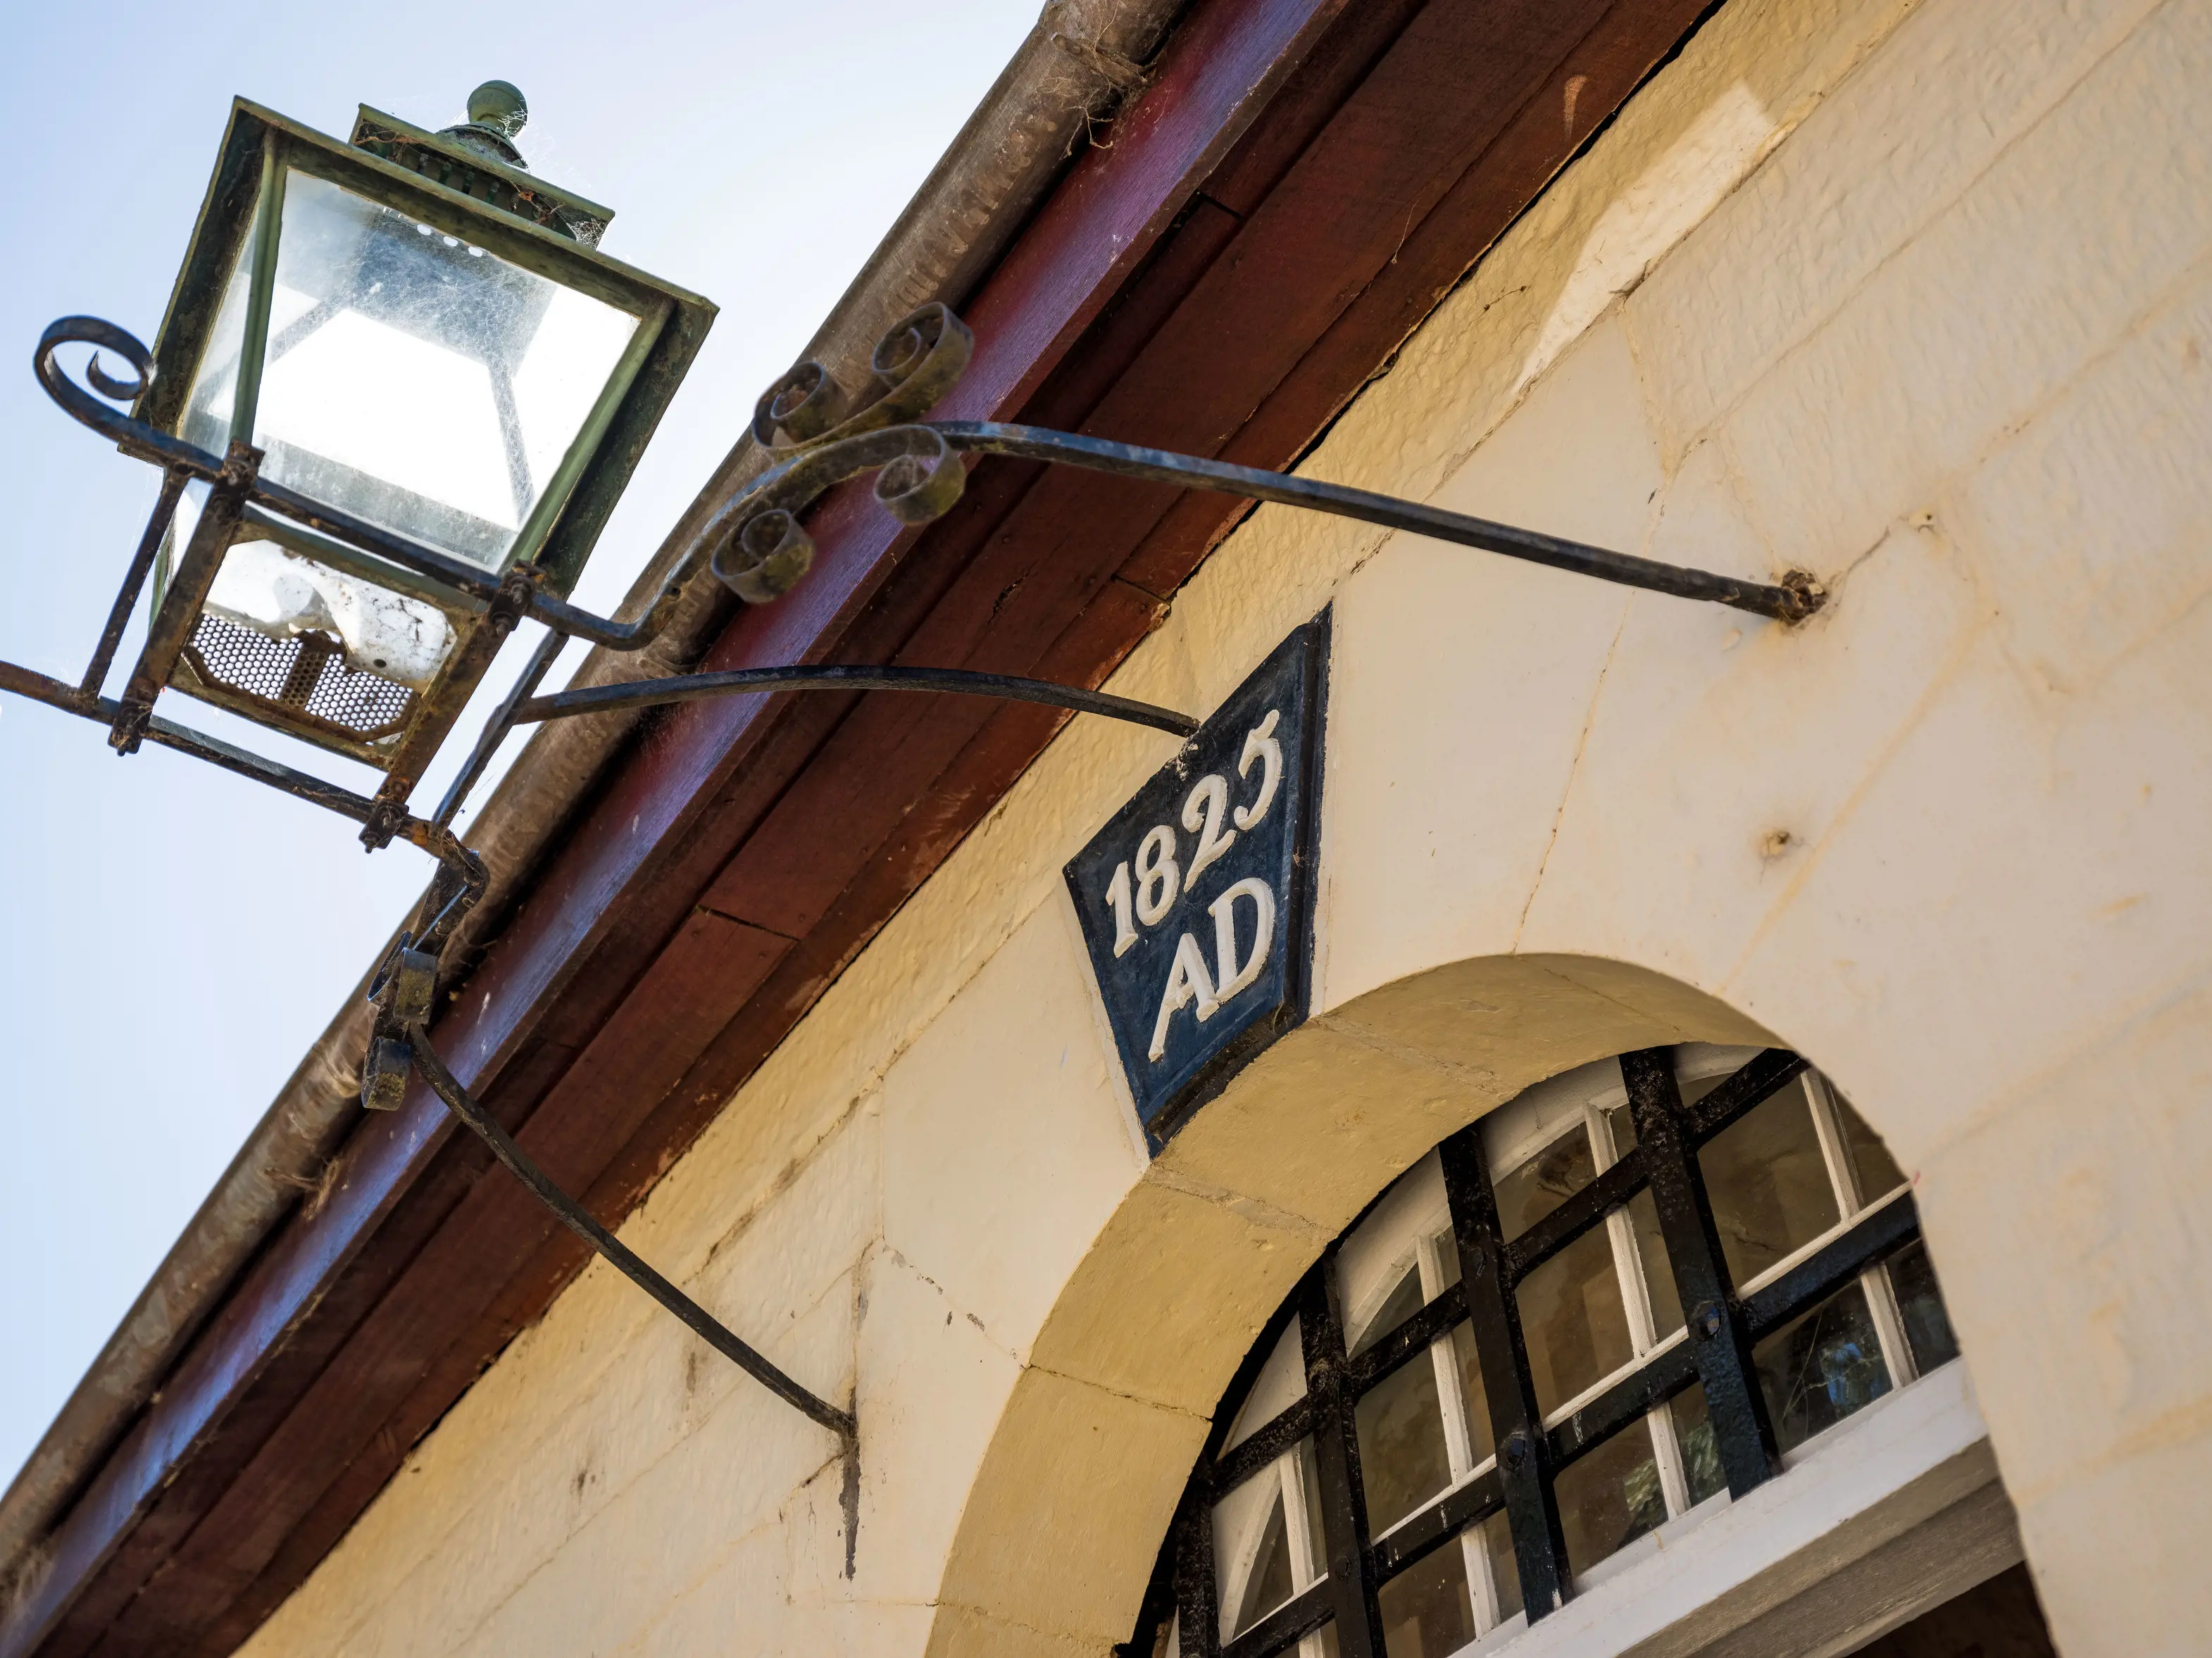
(816, 435)
(618, 1255)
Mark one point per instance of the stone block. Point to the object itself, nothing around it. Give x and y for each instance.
(1723, 749)
(2076, 229)
(1878, 155)
(2091, 524)
(2020, 875)
(1164, 1305)
(1450, 806)
(1005, 1146)
(1070, 1508)
(933, 1388)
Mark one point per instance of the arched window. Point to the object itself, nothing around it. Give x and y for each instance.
(1634, 1290)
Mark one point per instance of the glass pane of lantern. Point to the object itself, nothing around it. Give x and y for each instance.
(208, 410)
(425, 386)
(276, 593)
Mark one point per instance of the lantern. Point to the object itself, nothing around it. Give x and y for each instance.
(425, 344)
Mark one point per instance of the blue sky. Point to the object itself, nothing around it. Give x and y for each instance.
(174, 937)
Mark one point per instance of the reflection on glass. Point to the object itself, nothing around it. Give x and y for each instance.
(1400, 1304)
(1768, 1183)
(1529, 1192)
(1821, 1366)
(1878, 1173)
(1479, 1441)
(1927, 1325)
(209, 406)
(1280, 1385)
(1701, 1453)
(1497, 1542)
(1610, 1497)
(429, 386)
(1267, 1540)
(1403, 1458)
(262, 587)
(1426, 1609)
(1572, 1319)
(1658, 1271)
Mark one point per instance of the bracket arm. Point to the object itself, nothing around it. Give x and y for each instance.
(577, 1219)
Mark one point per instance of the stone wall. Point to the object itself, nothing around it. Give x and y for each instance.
(1913, 295)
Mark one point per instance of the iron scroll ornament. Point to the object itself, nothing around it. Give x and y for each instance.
(817, 434)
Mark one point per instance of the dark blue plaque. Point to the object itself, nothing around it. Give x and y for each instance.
(1197, 898)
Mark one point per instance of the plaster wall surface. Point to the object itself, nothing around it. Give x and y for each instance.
(1914, 296)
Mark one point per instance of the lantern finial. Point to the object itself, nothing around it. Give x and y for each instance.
(497, 110)
(499, 105)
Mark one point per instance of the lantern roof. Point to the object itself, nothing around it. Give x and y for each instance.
(462, 158)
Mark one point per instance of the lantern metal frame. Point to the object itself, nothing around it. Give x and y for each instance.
(440, 183)
(815, 433)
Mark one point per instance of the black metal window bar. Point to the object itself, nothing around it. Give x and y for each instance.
(1327, 1527)
(817, 434)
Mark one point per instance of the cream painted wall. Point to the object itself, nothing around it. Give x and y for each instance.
(1916, 296)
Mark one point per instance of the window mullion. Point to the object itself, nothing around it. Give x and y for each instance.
(1336, 1458)
(1481, 1585)
(1458, 1445)
(1298, 1505)
(1719, 1334)
(1667, 1454)
(1524, 1451)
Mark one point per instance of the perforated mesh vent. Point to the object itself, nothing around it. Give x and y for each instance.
(304, 675)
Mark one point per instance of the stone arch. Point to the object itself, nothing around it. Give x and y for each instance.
(1076, 1489)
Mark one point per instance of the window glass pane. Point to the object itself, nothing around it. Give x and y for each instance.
(1572, 1319)
(1610, 1497)
(1267, 1540)
(1427, 1610)
(1658, 1271)
(428, 387)
(1769, 1184)
(1622, 1122)
(1701, 1454)
(1400, 1304)
(1280, 1385)
(1529, 1192)
(1877, 1171)
(1504, 1570)
(1820, 1367)
(1927, 1325)
(1403, 1459)
(263, 587)
(1696, 1089)
(1479, 1437)
(208, 405)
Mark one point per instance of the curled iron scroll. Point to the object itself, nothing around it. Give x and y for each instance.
(823, 435)
(133, 436)
(101, 337)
